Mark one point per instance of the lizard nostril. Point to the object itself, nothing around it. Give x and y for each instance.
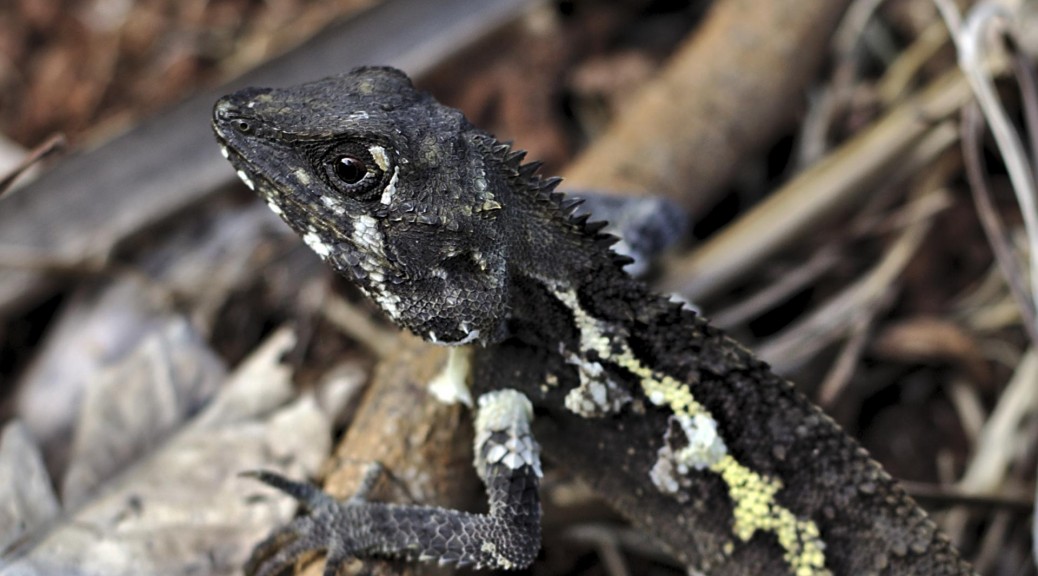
(224, 110)
(226, 113)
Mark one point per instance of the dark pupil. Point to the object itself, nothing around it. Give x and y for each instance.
(350, 170)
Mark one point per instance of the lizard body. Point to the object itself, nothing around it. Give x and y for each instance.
(680, 427)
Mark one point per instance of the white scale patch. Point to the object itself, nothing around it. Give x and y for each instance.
(302, 176)
(367, 236)
(500, 560)
(368, 239)
(316, 244)
(509, 412)
(705, 446)
(225, 152)
(597, 395)
(381, 158)
(480, 182)
(470, 336)
(245, 178)
(274, 208)
(333, 204)
(378, 154)
(387, 194)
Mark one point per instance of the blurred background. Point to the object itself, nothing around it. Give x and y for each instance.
(851, 194)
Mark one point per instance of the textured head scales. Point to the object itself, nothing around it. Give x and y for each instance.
(388, 186)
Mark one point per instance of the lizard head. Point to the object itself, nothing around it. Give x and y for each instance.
(387, 186)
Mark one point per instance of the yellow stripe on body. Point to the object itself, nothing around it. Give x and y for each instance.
(753, 495)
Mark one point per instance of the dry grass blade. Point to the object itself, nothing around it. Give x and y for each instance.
(842, 370)
(928, 339)
(831, 98)
(606, 541)
(989, 306)
(994, 229)
(895, 82)
(789, 283)
(1025, 78)
(971, 41)
(831, 321)
(946, 494)
(999, 440)
(834, 183)
(968, 405)
(991, 547)
(44, 262)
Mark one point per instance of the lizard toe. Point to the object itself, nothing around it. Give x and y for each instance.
(335, 562)
(284, 553)
(268, 548)
(309, 495)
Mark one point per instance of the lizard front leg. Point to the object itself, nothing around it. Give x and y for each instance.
(508, 536)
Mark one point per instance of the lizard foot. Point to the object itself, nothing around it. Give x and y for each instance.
(307, 535)
(508, 536)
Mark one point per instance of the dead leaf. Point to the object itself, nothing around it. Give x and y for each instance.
(182, 509)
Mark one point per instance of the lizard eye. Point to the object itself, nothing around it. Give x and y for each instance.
(350, 170)
(242, 126)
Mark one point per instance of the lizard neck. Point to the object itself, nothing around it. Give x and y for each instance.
(552, 253)
(545, 241)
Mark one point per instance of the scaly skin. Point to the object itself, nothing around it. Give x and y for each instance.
(681, 428)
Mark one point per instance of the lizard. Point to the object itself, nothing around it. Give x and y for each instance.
(458, 239)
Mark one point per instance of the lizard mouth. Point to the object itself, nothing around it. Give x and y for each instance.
(248, 174)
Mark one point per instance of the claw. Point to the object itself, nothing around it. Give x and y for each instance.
(285, 556)
(309, 495)
(333, 565)
(269, 547)
(372, 472)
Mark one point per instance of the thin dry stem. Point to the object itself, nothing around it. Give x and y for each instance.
(842, 370)
(836, 182)
(788, 284)
(992, 224)
(832, 320)
(971, 41)
(897, 79)
(1025, 78)
(52, 145)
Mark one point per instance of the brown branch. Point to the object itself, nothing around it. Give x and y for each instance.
(726, 92)
(424, 445)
